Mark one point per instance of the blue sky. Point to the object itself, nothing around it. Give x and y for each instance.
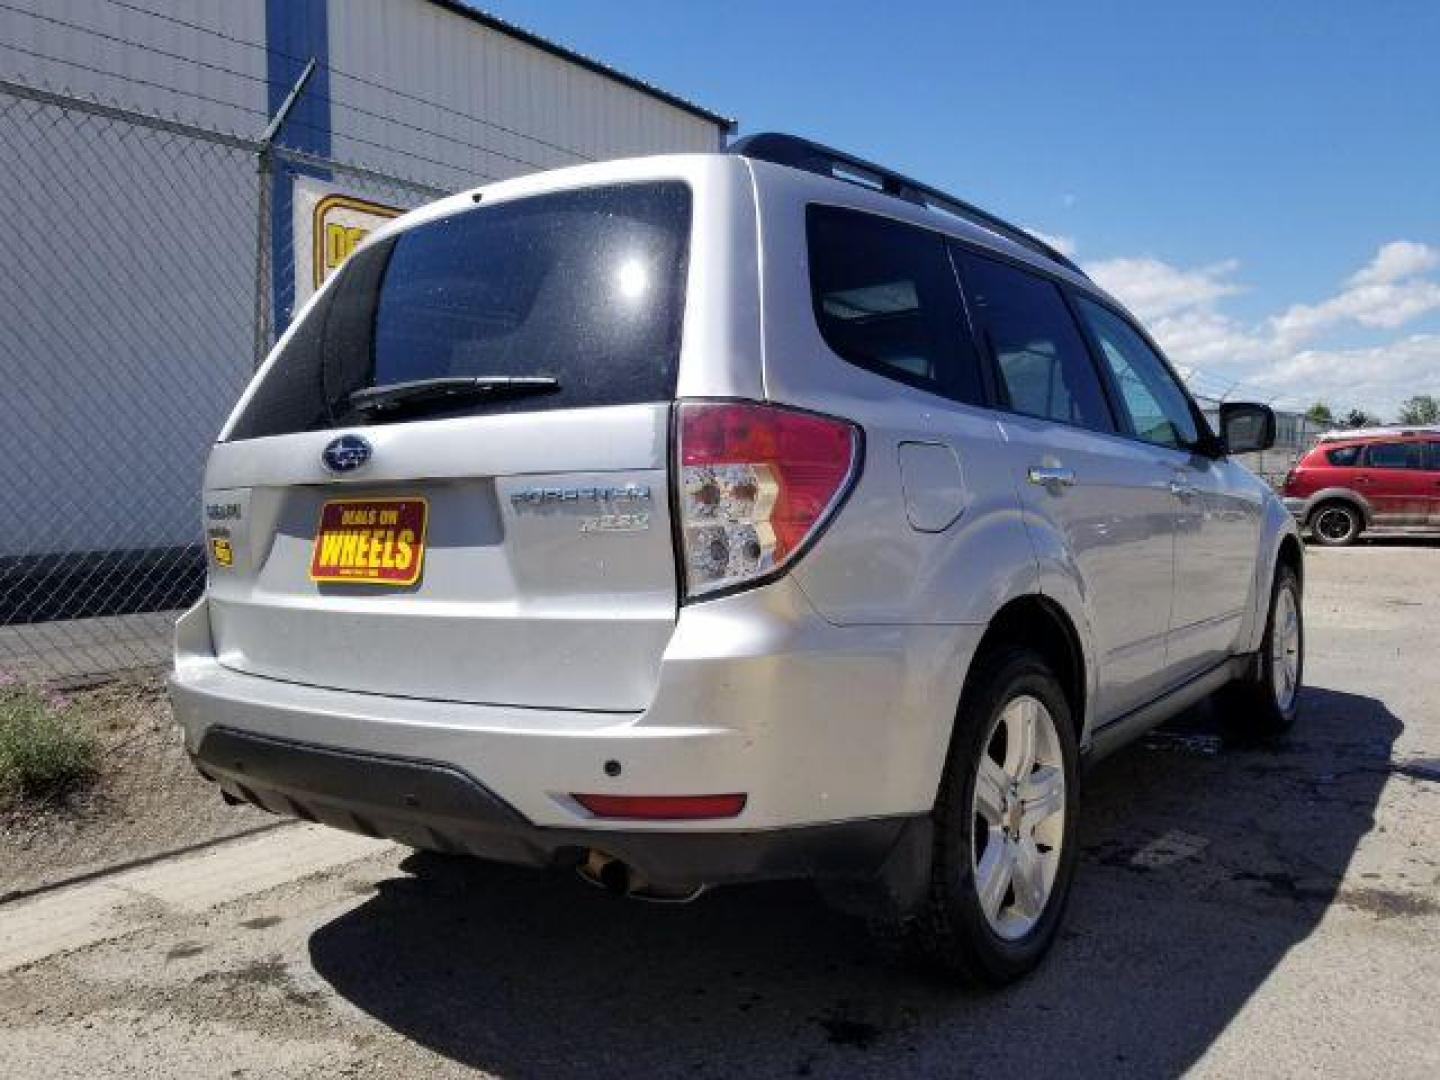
(1233, 174)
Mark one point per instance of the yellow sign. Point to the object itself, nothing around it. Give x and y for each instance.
(338, 226)
(221, 551)
(328, 225)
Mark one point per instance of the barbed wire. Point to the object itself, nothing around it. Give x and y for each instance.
(470, 174)
(260, 80)
(359, 79)
(338, 73)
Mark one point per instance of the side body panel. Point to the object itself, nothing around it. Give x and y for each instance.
(1400, 497)
(1106, 546)
(1218, 525)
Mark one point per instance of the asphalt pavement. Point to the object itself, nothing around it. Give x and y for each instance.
(1256, 910)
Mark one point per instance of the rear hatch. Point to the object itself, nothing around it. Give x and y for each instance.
(451, 480)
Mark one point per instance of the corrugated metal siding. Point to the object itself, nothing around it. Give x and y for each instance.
(535, 110)
(119, 55)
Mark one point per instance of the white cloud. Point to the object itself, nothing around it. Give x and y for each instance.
(1285, 354)
(1385, 293)
(1379, 378)
(1395, 260)
(1154, 289)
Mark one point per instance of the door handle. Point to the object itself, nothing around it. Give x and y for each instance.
(1048, 475)
(1181, 490)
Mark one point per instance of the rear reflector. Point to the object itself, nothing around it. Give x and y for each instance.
(756, 483)
(662, 807)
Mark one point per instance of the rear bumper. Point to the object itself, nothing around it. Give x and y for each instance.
(1299, 508)
(836, 735)
(438, 807)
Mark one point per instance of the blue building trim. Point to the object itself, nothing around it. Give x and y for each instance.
(295, 31)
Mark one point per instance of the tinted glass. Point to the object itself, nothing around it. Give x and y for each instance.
(585, 286)
(1158, 408)
(1343, 456)
(1395, 456)
(1432, 456)
(1042, 361)
(886, 298)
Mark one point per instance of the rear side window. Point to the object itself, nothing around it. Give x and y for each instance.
(1044, 367)
(886, 299)
(1343, 456)
(1395, 456)
(585, 287)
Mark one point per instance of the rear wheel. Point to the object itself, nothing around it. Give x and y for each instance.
(1335, 524)
(1005, 845)
(1267, 700)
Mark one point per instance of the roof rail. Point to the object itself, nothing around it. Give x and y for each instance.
(812, 157)
(1400, 430)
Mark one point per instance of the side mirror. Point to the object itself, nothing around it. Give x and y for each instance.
(1246, 427)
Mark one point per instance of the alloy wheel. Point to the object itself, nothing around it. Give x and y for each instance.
(1335, 524)
(1019, 812)
(1285, 648)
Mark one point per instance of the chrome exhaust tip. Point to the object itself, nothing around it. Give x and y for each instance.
(609, 873)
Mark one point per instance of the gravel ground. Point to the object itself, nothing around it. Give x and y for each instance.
(1266, 911)
(147, 800)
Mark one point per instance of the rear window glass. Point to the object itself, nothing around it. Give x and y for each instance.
(1343, 456)
(584, 287)
(886, 299)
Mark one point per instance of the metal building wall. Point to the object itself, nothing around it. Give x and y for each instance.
(190, 59)
(139, 337)
(538, 111)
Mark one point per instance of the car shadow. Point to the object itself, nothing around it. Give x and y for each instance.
(1204, 862)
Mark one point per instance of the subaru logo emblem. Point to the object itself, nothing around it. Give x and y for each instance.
(346, 454)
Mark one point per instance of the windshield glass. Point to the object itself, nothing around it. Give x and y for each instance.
(583, 287)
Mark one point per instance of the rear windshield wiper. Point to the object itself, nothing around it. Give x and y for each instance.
(445, 389)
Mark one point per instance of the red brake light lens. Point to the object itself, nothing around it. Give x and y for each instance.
(754, 484)
(663, 807)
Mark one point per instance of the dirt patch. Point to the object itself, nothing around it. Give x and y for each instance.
(145, 799)
(1389, 903)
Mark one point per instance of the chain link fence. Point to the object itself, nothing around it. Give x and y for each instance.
(138, 292)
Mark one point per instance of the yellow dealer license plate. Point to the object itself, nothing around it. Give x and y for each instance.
(373, 541)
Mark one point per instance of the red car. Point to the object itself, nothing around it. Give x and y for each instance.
(1367, 480)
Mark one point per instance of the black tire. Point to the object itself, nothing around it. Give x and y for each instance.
(1253, 706)
(952, 933)
(1336, 523)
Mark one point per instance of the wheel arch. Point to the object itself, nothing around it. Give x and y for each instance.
(1280, 543)
(1344, 495)
(1039, 622)
(1291, 554)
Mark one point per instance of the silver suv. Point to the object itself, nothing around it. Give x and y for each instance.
(725, 517)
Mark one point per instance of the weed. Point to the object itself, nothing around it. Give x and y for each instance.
(47, 744)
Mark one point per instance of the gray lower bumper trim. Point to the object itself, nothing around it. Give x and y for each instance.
(438, 807)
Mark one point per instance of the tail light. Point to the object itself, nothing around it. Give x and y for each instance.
(754, 485)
